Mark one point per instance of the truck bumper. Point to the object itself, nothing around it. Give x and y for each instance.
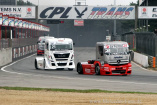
(116, 70)
(107, 69)
(58, 65)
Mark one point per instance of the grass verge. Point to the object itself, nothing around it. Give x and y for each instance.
(72, 90)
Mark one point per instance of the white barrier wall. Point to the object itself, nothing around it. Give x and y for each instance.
(5, 56)
(141, 59)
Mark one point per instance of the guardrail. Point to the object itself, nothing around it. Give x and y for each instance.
(21, 42)
(5, 43)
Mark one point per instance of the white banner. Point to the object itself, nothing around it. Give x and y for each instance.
(85, 12)
(147, 12)
(5, 20)
(18, 11)
(11, 21)
(78, 22)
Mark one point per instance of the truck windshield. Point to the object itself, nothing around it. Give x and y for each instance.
(61, 47)
(117, 51)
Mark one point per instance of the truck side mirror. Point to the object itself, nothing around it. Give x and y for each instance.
(129, 52)
(73, 43)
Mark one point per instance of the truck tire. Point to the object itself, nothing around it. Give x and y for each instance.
(35, 64)
(79, 68)
(44, 64)
(124, 75)
(97, 69)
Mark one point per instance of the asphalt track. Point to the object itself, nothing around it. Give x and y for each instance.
(23, 74)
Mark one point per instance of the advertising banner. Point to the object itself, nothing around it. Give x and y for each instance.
(78, 22)
(33, 26)
(86, 12)
(24, 24)
(16, 22)
(5, 20)
(27, 12)
(1, 15)
(11, 21)
(20, 23)
(29, 25)
(147, 12)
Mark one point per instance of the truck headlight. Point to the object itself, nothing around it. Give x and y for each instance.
(129, 68)
(72, 56)
(106, 68)
(50, 57)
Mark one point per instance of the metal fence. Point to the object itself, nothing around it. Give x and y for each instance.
(5, 43)
(144, 42)
(130, 38)
(20, 42)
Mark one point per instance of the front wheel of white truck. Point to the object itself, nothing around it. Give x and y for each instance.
(35, 64)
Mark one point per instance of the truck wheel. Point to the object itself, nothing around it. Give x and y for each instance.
(124, 75)
(97, 69)
(79, 68)
(70, 69)
(35, 63)
(44, 64)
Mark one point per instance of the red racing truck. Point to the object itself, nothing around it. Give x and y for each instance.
(112, 58)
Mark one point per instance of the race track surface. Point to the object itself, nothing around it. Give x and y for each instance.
(23, 74)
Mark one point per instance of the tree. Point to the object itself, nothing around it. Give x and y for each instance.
(128, 25)
(21, 2)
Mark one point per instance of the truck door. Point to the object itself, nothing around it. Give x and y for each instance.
(100, 52)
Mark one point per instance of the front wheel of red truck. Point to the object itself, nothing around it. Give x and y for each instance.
(97, 69)
(79, 68)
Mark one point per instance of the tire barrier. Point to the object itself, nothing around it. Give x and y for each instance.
(152, 61)
(20, 52)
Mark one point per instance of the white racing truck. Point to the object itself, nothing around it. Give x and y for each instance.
(58, 54)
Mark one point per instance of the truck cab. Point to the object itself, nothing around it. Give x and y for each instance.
(113, 53)
(59, 54)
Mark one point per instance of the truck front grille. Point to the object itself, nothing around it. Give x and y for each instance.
(118, 71)
(62, 64)
(61, 59)
(62, 55)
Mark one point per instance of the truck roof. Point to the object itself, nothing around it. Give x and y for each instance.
(112, 42)
(44, 37)
(58, 39)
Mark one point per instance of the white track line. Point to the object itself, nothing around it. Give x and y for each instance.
(3, 69)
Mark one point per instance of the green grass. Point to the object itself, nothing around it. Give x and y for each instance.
(72, 90)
